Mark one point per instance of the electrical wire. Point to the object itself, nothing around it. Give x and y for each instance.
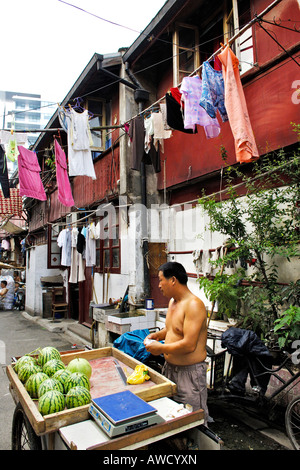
(278, 43)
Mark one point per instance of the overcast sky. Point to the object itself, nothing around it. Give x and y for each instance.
(45, 44)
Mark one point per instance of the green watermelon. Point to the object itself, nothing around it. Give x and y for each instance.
(22, 360)
(53, 366)
(46, 354)
(77, 396)
(62, 376)
(52, 401)
(33, 383)
(77, 379)
(26, 370)
(50, 384)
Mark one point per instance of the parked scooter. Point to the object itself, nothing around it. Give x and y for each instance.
(19, 303)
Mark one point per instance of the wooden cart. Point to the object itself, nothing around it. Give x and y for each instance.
(47, 432)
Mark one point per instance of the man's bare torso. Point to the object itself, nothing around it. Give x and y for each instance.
(177, 321)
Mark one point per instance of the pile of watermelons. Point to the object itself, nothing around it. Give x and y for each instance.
(55, 385)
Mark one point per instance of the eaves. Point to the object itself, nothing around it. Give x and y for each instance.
(99, 73)
(160, 22)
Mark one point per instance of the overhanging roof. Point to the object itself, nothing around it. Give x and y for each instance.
(99, 78)
(163, 18)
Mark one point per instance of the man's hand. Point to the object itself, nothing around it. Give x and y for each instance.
(153, 346)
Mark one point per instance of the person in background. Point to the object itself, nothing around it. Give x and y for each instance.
(4, 289)
(185, 336)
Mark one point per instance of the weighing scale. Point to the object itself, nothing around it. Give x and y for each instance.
(122, 413)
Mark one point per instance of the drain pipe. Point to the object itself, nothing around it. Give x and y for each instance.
(141, 96)
(144, 224)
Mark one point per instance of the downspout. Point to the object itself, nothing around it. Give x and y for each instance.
(141, 96)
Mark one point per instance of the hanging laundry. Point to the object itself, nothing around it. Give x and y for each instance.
(90, 253)
(217, 64)
(29, 175)
(63, 183)
(80, 241)
(77, 262)
(5, 244)
(4, 174)
(159, 133)
(79, 145)
(191, 90)
(212, 98)
(149, 131)
(20, 137)
(63, 118)
(177, 95)
(174, 115)
(11, 140)
(163, 109)
(11, 205)
(11, 150)
(236, 107)
(64, 242)
(137, 137)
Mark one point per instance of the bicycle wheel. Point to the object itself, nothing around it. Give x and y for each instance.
(292, 422)
(23, 435)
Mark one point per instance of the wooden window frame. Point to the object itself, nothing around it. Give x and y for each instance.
(103, 116)
(231, 25)
(178, 49)
(107, 245)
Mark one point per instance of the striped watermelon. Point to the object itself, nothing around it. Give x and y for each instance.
(46, 354)
(33, 383)
(22, 360)
(48, 385)
(62, 376)
(53, 366)
(77, 379)
(26, 370)
(77, 396)
(51, 402)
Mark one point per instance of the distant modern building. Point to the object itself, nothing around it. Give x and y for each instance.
(24, 111)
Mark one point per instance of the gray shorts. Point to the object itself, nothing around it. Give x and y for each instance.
(191, 385)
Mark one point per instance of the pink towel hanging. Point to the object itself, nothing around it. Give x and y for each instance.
(64, 188)
(29, 175)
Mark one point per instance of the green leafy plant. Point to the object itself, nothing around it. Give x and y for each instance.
(263, 229)
(287, 326)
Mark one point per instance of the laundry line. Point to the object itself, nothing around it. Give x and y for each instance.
(230, 41)
(57, 129)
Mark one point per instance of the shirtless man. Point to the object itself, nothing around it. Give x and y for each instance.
(184, 336)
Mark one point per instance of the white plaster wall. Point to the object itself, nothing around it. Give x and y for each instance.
(188, 233)
(36, 267)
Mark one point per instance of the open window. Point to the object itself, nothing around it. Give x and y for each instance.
(237, 15)
(54, 251)
(101, 111)
(186, 56)
(195, 43)
(108, 246)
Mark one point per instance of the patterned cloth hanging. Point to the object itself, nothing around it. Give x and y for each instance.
(13, 205)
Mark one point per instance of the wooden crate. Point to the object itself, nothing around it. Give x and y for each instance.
(104, 380)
